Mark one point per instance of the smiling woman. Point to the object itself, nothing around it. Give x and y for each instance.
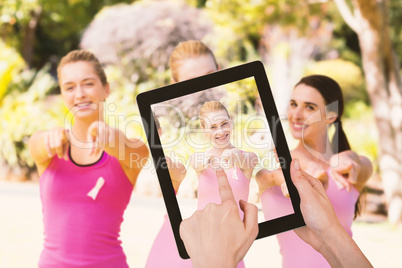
(238, 165)
(85, 175)
(316, 103)
(83, 92)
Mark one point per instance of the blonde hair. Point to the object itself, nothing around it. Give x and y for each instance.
(86, 56)
(210, 106)
(187, 50)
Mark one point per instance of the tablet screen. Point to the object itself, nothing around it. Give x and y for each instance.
(226, 118)
(224, 126)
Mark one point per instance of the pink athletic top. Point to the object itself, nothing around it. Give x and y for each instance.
(164, 251)
(295, 252)
(80, 231)
(208, 187)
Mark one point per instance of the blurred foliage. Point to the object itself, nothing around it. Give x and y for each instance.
(241, 96)
(24, 111)
(362, 132)
(121, 110)
(11, 64)
(141, 48)
(348, 75)
(57, 25)
(241, 24)
(241, 28)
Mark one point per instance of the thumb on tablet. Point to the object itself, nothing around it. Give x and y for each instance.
(250, 215)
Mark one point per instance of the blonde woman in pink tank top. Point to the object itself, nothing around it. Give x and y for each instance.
(86, 173)
(188, 60)
(216, 124)
(238, 165)
(316, 103)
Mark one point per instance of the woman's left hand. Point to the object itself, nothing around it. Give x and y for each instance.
(101, 136)
(345, 168)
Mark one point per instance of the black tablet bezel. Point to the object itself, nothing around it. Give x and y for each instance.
(252, 69)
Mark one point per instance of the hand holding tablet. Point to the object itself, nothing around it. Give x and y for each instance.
(211, 244)
(225, 132)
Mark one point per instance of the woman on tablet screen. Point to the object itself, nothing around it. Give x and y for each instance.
(316, 103)
(238, 165)
(188, 60)
(84, 186)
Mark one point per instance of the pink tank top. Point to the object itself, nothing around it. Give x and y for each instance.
(208, 188)
(80, 231)
(295, 252)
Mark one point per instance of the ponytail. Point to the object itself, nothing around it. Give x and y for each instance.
(339, 141)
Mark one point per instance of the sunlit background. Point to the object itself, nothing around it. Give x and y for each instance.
(134, 39)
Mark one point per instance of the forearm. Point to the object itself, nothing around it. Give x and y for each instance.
(342, 251)
(215, 261)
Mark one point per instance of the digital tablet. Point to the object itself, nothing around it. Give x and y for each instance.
(227, 117)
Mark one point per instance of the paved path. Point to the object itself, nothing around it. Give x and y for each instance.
(21, 232)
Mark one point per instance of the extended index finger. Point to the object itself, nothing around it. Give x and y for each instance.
(225, 191)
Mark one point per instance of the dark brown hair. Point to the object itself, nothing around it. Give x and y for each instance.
(332, 94)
